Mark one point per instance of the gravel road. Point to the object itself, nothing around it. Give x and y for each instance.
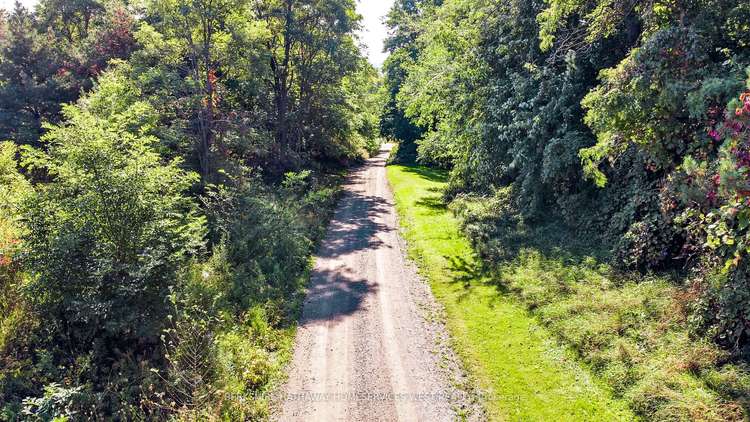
(369, 347)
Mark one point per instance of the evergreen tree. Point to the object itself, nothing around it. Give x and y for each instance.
(33, 85)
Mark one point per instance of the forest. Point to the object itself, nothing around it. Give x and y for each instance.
(600, 147)
(169, 167)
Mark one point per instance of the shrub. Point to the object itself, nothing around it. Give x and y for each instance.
(717, 216)
(13, 189)
(58, 404)
(268, 233)
(228, 335)
(16, 322)
(107, 236)
(633, 331)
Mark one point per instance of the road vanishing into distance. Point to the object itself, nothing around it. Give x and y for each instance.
(366, 349)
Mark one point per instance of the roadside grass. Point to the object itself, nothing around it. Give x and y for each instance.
(517, 363)
(632, 330)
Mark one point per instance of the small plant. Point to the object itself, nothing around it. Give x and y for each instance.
(191, 353)
(58, 404)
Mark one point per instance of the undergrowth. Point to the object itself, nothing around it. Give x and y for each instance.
(512, 358)
(224, 342)
(633, 330)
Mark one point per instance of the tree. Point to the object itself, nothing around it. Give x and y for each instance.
(70, 19)
(274, 71)
(365, 101)
(107, 236)
(45, 62)
(594, 115)
(201, 27)
(310, 49)
(32, 89)
(440, 93)
(404, 29)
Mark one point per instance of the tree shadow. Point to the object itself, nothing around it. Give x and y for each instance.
(357, 226)
(332, 295)
(354, 226)
(473, 272)
(465, 271)
(501, 242)
(431, 174)
(434, 203)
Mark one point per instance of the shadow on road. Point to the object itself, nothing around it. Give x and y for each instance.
(354, 228)
(334, 295)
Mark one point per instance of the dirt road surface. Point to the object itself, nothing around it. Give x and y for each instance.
(364, 350)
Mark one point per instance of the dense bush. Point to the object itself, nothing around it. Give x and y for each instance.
(229, 332)
(635, 332)
(119, 313)
(102, 243)
(13, 190)
(267, 234)
(108, 234)
(15, 319)
(187, 337)
(50, 57)
(587, 115)
(604, 123)
(155, 268)
(714, 190)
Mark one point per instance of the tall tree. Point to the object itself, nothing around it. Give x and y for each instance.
(201, 27)
(404, 29)
(310, 48)
(32, 87)
(45, 62)
(70, 19)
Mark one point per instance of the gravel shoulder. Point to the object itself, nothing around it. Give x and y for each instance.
(371, 345)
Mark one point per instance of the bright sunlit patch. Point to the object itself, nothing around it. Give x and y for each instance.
(374, 31)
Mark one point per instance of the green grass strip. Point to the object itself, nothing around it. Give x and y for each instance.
(515, 361)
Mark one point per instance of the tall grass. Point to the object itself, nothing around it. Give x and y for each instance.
(632, 330)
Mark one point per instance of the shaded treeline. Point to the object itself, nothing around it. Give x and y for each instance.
(621, 123)
(170, 166)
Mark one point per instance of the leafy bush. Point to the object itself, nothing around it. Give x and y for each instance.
(58, 404)
(717, 218)
(230, 329)
(102, 240)
(634, 332)
(266, 243)
(13, 190)
(17, 323)
(108, 234)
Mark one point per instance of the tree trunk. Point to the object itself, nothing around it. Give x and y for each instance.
(208, 112)
(281, 72)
